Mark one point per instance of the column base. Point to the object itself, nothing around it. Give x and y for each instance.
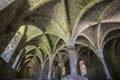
(74, 77)
(109, 79)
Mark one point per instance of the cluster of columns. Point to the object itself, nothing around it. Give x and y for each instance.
(73, 64)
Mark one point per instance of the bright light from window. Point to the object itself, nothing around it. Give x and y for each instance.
(83, 68)
(8, 52)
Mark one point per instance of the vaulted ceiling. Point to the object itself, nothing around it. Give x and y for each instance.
(54, 24)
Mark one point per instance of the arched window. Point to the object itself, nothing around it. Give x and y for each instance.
(83, 68)
(8, 52)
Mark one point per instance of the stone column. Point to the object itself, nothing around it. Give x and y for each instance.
(41, 71)
(73, 61)
(73, 66)
(101, 57)
(108, 77)
(50, 67)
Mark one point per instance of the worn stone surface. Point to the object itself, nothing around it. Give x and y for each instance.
(6, 72)
(5, 3)
(74, 77)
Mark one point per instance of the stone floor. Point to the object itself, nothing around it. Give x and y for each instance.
(74, 77)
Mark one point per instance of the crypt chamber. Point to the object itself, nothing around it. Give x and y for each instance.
(59, 39)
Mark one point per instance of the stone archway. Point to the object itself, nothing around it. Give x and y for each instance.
(111, 53)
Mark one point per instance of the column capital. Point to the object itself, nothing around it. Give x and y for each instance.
(100, 56)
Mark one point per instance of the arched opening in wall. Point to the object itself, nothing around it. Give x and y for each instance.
(83, 68)
(27, 65)
(95, 70)
(9, 50)
(60, 67)
(56, 73)
(90, 65)
(82, 60)
(27, 70)
(18, 42)
(11, 54)
(65, 62)
(67, 67)
(111, 53)
(61, 58)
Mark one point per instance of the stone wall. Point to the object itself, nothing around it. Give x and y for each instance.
(6, 72)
